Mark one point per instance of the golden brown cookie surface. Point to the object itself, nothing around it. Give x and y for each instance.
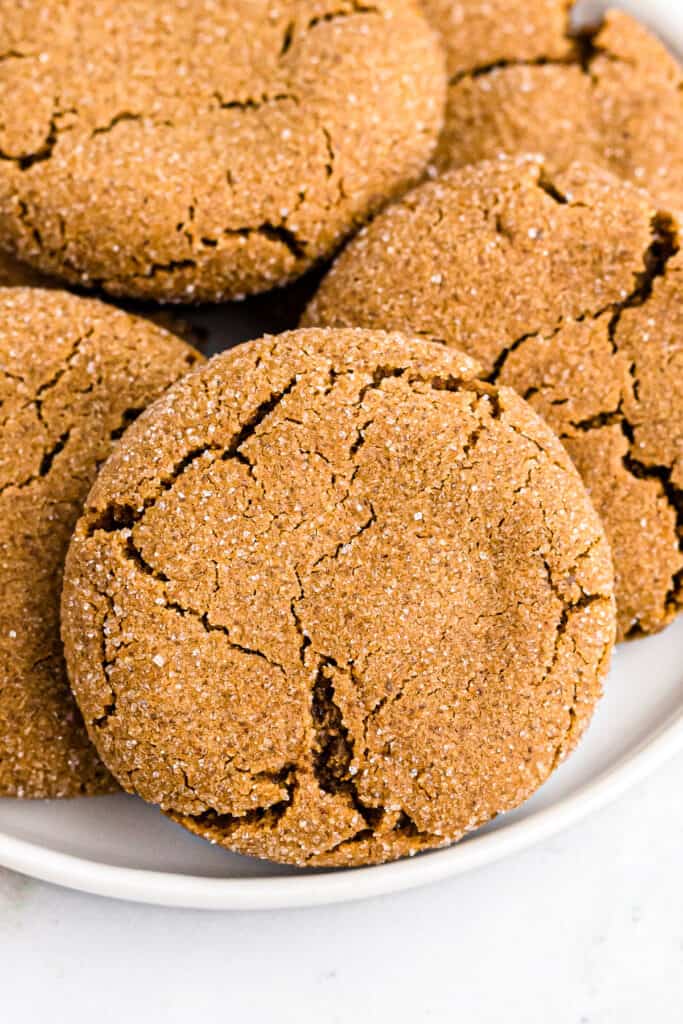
(73, 373)
(519, 83)
(209, 149)
(482, 34)
(569, 290)
(336, 601)
(14, 274)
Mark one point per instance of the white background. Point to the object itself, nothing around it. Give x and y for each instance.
(585, 929)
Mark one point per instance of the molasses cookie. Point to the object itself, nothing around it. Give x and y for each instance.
(335, 601)
(522, 82)
(202, 151)
(73, 373)
(567, 288)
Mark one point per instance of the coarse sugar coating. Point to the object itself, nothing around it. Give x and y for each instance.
(521, 80)
(14, 274)
(73, 373)
(567, 288)
(483, 34)
(336, 601)
(200, 151)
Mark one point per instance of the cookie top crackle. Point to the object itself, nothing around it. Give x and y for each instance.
(199, 151)
(567, 288)
(73, 373)
(524, 80)
(336, 601)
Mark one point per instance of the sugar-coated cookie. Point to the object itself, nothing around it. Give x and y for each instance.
(334, 600)
(522, 81)
(73, 373)
(200, 151)
(568, 288)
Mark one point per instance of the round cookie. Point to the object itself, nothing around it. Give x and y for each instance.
(335, 601)
(73, 373)
(568, 289)
(522, 82)
(211, 149)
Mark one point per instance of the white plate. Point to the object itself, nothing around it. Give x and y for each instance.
(117, 846)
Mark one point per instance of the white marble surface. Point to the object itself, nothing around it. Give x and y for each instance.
(586, 929)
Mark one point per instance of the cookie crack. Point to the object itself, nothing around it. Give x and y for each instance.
(52, 453)
(46, 463)
(331, 154)
(123, 515)
(37, 401)
(255, 102)
(44, 152)
(257, 418)
(124, 115)
(398, 822)
(343, 544)
(507, 351)
(333, 747)
(279, 234)
(584, 51)
(24, 218)
(213, 627)
(266, 817)
(107, 662)
(482, 70)
(663, 246)
(287, 38)
(67, 365)
(673, 495)
(16, 55)
(304, 636)
(546, 184)
(169, 267)
(109, 710)
(569, 609)
(352, 10)
(133, 554)
(436, 381)
(128, 416)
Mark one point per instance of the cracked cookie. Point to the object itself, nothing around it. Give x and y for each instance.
(335, 600)
(569, 290)
(211, 149)
(521, 81)
(73, 373)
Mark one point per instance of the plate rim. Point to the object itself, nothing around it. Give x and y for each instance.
(197, 892)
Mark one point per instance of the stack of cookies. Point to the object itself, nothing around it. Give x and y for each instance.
(345, 593)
